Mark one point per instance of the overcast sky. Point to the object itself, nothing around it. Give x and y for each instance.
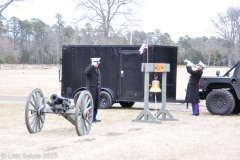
(176, 17)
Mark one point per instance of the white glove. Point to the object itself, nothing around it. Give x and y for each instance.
(185, 61)
(94, 63)
(190, 64)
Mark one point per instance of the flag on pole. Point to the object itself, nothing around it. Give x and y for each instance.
(144, 46)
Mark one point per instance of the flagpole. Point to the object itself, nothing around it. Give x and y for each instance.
(147, 55)
(143, 47)
(147, 49)
(131, 38)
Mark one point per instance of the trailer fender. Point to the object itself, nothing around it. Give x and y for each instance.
(110, 91)
(77, 93)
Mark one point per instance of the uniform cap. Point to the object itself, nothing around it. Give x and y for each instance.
(201, 64)
(95, 60)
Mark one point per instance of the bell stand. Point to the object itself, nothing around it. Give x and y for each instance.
(146, 113)
(163, 111)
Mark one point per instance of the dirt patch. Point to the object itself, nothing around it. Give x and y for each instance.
(19, 83)
(117, 137)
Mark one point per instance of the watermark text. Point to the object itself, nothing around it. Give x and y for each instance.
(28, 156)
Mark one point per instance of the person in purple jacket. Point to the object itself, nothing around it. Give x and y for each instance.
(192, 94)
(93, 83)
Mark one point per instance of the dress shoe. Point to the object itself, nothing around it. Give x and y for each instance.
(95, 121)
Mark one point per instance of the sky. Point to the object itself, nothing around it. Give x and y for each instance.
(176, 17)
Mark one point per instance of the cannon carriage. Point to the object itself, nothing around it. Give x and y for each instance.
(80, 115)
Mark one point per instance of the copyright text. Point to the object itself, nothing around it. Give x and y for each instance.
(28, 156)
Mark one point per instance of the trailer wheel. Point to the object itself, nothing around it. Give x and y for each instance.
(220, 102)
(75, 98)
(126, 104)
(34, 118)
(105, 100)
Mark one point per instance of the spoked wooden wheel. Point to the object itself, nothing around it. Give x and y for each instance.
(34, 117)
(84, 113)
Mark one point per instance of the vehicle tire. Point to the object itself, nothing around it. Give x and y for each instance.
(75, 98)
(105, 100)
(237, 108)
(126, 104)
(220, 102)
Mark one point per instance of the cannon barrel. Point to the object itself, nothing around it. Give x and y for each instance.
(60, 100)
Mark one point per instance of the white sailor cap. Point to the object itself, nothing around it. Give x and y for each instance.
(201, 64)
(95, 60)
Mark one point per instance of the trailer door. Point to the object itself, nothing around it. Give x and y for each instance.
(131, 81)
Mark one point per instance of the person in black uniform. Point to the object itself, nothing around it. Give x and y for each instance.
(93, 83)
(192, 94)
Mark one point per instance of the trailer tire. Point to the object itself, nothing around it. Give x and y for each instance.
(220, 102)
(75, 98)
(126, 104)
(105, 100)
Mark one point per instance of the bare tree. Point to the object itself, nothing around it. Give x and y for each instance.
(59, 32)
(6, 3)
(13, 24)
(217, 52)
(114, 17)
(228, 26)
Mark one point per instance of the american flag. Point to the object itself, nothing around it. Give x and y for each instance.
(144, 46)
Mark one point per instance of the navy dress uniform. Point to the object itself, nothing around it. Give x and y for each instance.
(93, 83)
(192, 94)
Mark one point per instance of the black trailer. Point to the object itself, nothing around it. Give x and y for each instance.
(122, 79)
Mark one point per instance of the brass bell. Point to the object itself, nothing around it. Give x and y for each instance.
(155, 86)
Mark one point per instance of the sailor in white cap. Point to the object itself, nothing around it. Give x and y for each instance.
(192, 94)
(93, 83)
(201, 64)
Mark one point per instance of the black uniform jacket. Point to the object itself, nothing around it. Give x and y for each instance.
(192, 94)
(93, 83)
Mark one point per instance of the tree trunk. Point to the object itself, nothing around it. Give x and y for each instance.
(230, 60)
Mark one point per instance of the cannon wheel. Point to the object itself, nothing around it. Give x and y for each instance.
(84, 113)
(76, 96)
(34, 117)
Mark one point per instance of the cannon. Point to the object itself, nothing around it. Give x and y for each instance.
(80, 115)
